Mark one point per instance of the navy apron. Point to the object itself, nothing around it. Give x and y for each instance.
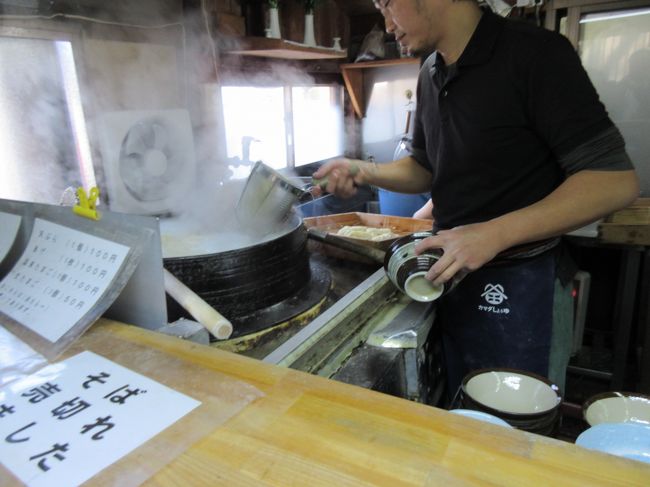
(499, 316)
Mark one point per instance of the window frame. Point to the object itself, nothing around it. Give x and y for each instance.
(575, 9)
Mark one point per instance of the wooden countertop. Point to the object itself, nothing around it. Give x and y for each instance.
(308, 431)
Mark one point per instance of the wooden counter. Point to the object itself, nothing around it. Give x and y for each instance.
(308, 431)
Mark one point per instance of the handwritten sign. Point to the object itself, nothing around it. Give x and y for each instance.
(72, 419)
(9, 224)
(60, 276)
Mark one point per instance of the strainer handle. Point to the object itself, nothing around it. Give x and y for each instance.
(322, 182)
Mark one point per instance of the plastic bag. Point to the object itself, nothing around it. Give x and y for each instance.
(372, 46)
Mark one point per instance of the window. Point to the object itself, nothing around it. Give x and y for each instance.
(43, 138)
(255, 124)
(613, 40)
(317, 124)
(284, 126)
(615, 50)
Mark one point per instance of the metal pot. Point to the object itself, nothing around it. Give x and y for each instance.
(240, 281)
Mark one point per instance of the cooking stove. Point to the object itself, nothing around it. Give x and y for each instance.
(362, 331)
(331, 279)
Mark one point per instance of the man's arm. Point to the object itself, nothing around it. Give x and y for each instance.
(403, 175)
(582, 198)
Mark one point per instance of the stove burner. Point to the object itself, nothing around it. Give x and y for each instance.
(257, 333)
(305, 298)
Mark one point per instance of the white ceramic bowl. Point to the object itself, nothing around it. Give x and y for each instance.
(617, 407)
(629, 440)
(481, 416)
(512, 392)
(418, 288)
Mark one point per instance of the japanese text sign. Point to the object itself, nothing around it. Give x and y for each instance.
(74, 418)
(60, 276)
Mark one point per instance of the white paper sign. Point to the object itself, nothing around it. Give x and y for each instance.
(9, 225)
(69, 421)
(60, 276)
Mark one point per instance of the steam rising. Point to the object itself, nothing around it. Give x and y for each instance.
(122, 64)
(33, 126)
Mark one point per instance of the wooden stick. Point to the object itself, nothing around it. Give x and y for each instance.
(201, 311)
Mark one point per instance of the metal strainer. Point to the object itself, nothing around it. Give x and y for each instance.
(267, 199)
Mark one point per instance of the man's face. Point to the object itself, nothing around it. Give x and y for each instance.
(415, 23)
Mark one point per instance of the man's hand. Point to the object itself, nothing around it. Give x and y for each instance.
(342, 176)
(466, 248)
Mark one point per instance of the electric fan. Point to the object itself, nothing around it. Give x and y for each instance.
(148, 159)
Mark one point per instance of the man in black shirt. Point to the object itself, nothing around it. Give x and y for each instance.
(512, 141)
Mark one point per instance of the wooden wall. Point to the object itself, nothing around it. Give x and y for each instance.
(251, 16)
(147, 12)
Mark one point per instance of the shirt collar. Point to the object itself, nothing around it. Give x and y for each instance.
(481, 44)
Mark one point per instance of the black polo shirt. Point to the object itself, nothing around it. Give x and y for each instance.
(493, 127)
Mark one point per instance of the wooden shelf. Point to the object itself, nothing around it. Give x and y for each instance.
(353, 74)
(283, 49)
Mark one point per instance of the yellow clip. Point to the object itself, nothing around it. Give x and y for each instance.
(87, 203)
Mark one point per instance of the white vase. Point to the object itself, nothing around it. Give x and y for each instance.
(274, 24)
(310, 40)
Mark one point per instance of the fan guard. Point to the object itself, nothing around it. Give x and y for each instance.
(148, 159)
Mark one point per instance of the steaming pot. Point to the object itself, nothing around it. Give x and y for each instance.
(239, 281)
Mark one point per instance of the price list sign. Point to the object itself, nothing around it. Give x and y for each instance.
(62, 273)
(72, 419)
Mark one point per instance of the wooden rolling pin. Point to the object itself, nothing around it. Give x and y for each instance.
(201, 311)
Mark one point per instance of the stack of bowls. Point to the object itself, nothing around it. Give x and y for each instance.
(619, 425)
(524, 400)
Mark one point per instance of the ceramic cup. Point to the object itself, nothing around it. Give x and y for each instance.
(406, 270)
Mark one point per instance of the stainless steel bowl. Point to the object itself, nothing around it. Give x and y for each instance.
(267, 199)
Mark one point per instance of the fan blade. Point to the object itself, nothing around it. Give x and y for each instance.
(136, 141)
(131, 175)
(160, 136)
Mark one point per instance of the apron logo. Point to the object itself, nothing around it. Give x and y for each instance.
(495, 295)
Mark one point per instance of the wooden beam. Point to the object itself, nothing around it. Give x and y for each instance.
(353, 79)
